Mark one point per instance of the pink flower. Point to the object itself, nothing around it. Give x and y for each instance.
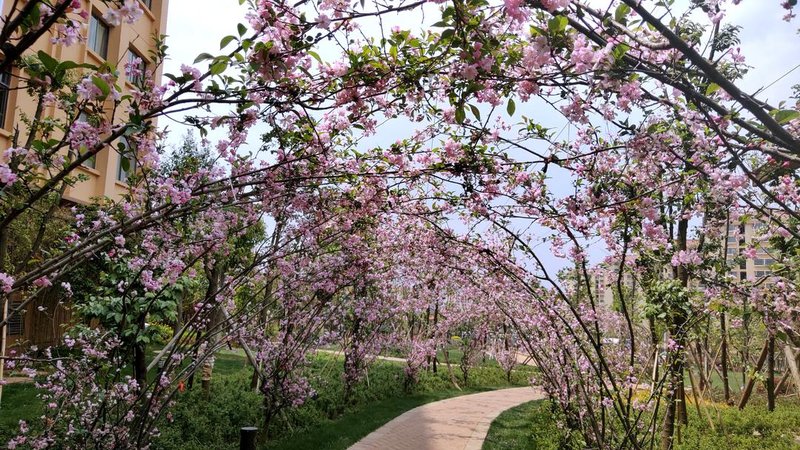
(6, 282)
(552, 5)
(42, 282)
(324, 22)
(686, 258)
(7, 176)
(470, 72)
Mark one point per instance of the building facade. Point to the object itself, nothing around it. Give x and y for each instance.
(741, 237)
(105, 175)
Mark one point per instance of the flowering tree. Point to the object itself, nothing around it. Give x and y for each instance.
(664, 147)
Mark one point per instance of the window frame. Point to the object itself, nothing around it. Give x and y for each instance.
(143, 65)
(5, 96)
(97, 23)
(123, 141)
(83, 117)
(16, 321)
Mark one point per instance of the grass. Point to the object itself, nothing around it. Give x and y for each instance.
(19, 403)
(327, 420)
(533, 426)
(752, 428)
(336, 423)
(349, 428)
(530, 425)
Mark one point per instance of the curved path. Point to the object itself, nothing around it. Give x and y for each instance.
(458, 423)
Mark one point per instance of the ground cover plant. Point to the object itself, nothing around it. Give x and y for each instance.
(537, 425)
(203, 419)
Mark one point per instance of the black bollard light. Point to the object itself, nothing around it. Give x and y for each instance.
(247, 438)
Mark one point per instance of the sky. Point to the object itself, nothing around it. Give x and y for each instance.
(770, 45)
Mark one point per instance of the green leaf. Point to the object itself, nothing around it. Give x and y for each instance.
(511, 107)
(621, 13)
(557, 24)
(242, 29)
(475, 111)
(48, 61)
(102, 85)
(460, 115)
(619, 51)
(203, 57)
(783, 116)
(225, 41)
(219, 66)
(69, 65)
(712, 87)
(315, 55)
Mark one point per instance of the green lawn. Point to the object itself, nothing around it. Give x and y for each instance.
(527, 426)
(326, 421)
(532, 426)
(19, 403)
(349, 428)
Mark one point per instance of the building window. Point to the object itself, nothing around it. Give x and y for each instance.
(98, 36)
(137, 66)
(16, 321)
(91, 162)
(126, 165)
(5, 92)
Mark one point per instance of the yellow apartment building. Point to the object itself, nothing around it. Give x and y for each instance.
(116, 45)
(42, 322)
(743, 236)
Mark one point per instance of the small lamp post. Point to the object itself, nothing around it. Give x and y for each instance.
(247, 438)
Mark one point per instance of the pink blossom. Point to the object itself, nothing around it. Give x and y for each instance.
(42, 282)
(7, 176)
(687, 258)
(6, 282)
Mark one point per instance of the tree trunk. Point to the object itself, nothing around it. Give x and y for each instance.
(750, 383)
(791, 361)
(139, 364)
(214, 275)
(771, 373)
(669, 421)
(726, 387)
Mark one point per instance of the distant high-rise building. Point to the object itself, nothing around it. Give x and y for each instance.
(740, 238)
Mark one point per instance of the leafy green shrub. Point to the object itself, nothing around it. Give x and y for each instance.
(200, 423)
(214, 423)
(161, 333)
(754, 427)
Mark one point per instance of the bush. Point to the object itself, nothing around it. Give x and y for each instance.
(215, 422)
(161, 333)
(200, 423)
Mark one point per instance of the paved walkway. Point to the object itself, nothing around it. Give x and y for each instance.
(459, 423)
(341, 353)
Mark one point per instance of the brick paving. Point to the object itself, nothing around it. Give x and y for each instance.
(459, 423)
